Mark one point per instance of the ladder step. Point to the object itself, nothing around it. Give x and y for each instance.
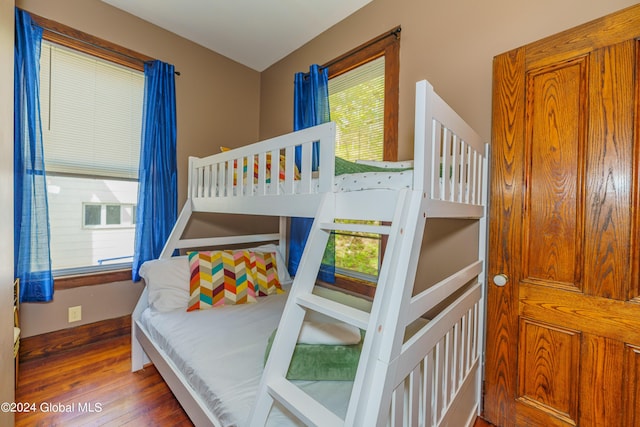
(356, 228)
(333, 309)
(307, 409)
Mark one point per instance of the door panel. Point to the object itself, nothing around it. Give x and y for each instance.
(549, 368)
(632, 374)
(563, 335)
(602, 375)
(554, 149)
(610, 178)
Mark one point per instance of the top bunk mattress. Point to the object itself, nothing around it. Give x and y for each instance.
(368, 175)
(349, 176)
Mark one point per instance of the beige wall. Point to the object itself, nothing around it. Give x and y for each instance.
(98, 302)
(217, 104)
(6, 201)
(450, 43)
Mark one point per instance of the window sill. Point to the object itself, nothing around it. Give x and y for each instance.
(71, 282)
(354, 286)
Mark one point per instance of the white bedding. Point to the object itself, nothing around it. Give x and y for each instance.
(352, 182)
(373, 180)
(221, 351)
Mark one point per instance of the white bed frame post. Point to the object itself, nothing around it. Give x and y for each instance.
(423, 152)
(138, 356)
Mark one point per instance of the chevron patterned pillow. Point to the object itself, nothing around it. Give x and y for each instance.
(220, 278)
(265, 273)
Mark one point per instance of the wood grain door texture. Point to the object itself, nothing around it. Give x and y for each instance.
(563, 333)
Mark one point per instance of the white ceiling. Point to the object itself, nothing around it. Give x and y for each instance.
(256, 33)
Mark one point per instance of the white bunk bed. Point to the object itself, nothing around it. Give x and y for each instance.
(429, 377)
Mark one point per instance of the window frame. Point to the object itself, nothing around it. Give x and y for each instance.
(64, 35)
(387, 45)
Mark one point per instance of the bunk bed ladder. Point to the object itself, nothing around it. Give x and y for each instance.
(380, 324)
(384, 339)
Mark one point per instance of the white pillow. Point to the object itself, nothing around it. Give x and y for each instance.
(406, 164)
(327, 333)
(167, 283)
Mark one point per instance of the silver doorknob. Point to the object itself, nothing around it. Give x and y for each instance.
(500, 279)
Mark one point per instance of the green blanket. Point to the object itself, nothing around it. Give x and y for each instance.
(317, 362)
(344, 166)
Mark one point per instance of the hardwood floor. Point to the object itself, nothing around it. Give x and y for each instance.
(92, 385)
(482, 423)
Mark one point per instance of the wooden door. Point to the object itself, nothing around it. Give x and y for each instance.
(563, 333)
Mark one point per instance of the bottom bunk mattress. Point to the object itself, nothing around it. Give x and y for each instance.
(220, 352)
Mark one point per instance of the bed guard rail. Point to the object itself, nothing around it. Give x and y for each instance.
(268, 167)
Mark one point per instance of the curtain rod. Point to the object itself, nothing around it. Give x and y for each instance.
(395, 32)
(106, 49)
(66, 32)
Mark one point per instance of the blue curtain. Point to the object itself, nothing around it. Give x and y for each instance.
(158, 188)
(310, 108)
(32, 259)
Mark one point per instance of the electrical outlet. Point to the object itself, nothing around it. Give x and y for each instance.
(75, 313)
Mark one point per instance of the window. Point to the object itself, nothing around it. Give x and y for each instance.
(91, 95)
(91, 125)
(109, 215)
(363, 99)
(356, 100)
(92, 215)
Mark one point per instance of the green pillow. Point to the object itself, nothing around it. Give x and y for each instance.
(317, 362)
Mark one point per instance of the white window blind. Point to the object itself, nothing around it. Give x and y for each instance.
(91, 114)
(356, 102)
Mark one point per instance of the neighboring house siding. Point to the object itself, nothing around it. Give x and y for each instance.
(72, 244)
